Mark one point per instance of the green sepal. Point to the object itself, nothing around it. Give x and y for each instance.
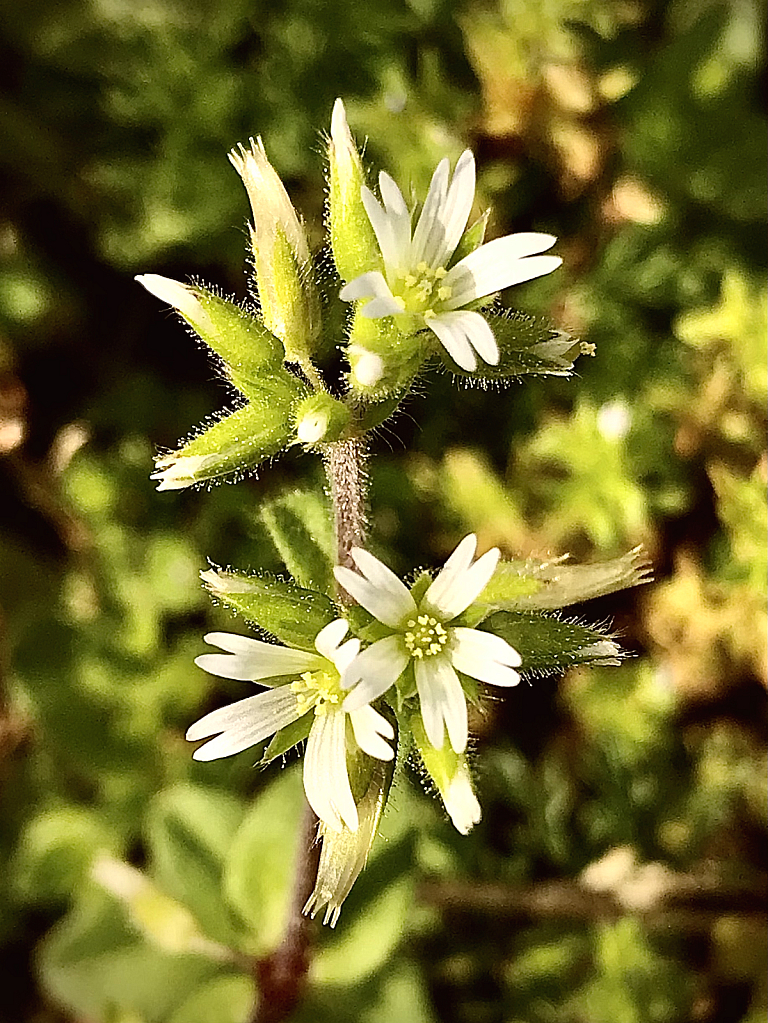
(292, 614)
(547, 585)
(527, 345)
(353, 242)
(547, 643)
(400, 355)
(287, 738)
(299, 525)
(373, 413)
(288, 295)
(321, 419)
(421, 585)
(242, 342)
(234, 443)
(472, 239)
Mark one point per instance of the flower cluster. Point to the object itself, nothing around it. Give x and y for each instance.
(335, 685)
(423, 285)
(370, 669)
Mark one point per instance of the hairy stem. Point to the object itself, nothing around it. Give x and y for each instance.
(282, 976)
(345, 468)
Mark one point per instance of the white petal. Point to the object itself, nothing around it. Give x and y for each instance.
(250, 660)
(481, 337)
(346, 654)
(386, 305)
(476, 331)
(399, 219)
(429, 235)
(483, 656)
(442, 701)
(477, 643)
(369, 726)
(326, 780)
(244, 723)
(368, 285)
(458, 203)
(461, 802)
(329, 638)
(382, 227)
(497, 265)
(451, 574)
(374, 670)
(378, 589)
(452, 336)
(462, 586)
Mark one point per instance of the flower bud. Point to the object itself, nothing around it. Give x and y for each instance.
(450, 773)
(236, 443)
(240, 340)
(383, 361)
(354, 245)
(321, 418)
(289, 300)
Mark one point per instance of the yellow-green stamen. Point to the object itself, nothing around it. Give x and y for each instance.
(420, 289)
(316, 689)
(425, 636)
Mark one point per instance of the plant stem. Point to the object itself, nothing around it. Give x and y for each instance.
(282, 976)
(345, 468)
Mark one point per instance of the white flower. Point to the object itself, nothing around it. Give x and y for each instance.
(421, 635)
(316, 691)
(420, 280)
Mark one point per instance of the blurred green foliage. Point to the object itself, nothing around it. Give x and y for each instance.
(618, 875)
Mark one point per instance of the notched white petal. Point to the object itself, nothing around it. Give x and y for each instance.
(251, 660)
(243, 724)
(371, 731)
(326, 781)
(447, 588)
(373, 671)
(378, 589)
(330, 636)
(443, 703)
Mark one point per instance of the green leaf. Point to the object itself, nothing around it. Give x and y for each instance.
(227, 998)
(547, 643)
(189, 830)
(361, 946)
(55, 850)
(527, 345)
(291, 613)
(300, 526)
(93, 962)
(262, 860)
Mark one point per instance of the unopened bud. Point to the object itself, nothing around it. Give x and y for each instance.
(235, 444)
(354, 245)
(321, 418)
(450, 773)
(383, 361)
(240, 340)
(289, 301)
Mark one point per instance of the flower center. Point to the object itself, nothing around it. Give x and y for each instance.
(316, 689)
(421, 290)
(425, 637)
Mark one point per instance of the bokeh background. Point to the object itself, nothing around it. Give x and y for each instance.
(619, 873)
